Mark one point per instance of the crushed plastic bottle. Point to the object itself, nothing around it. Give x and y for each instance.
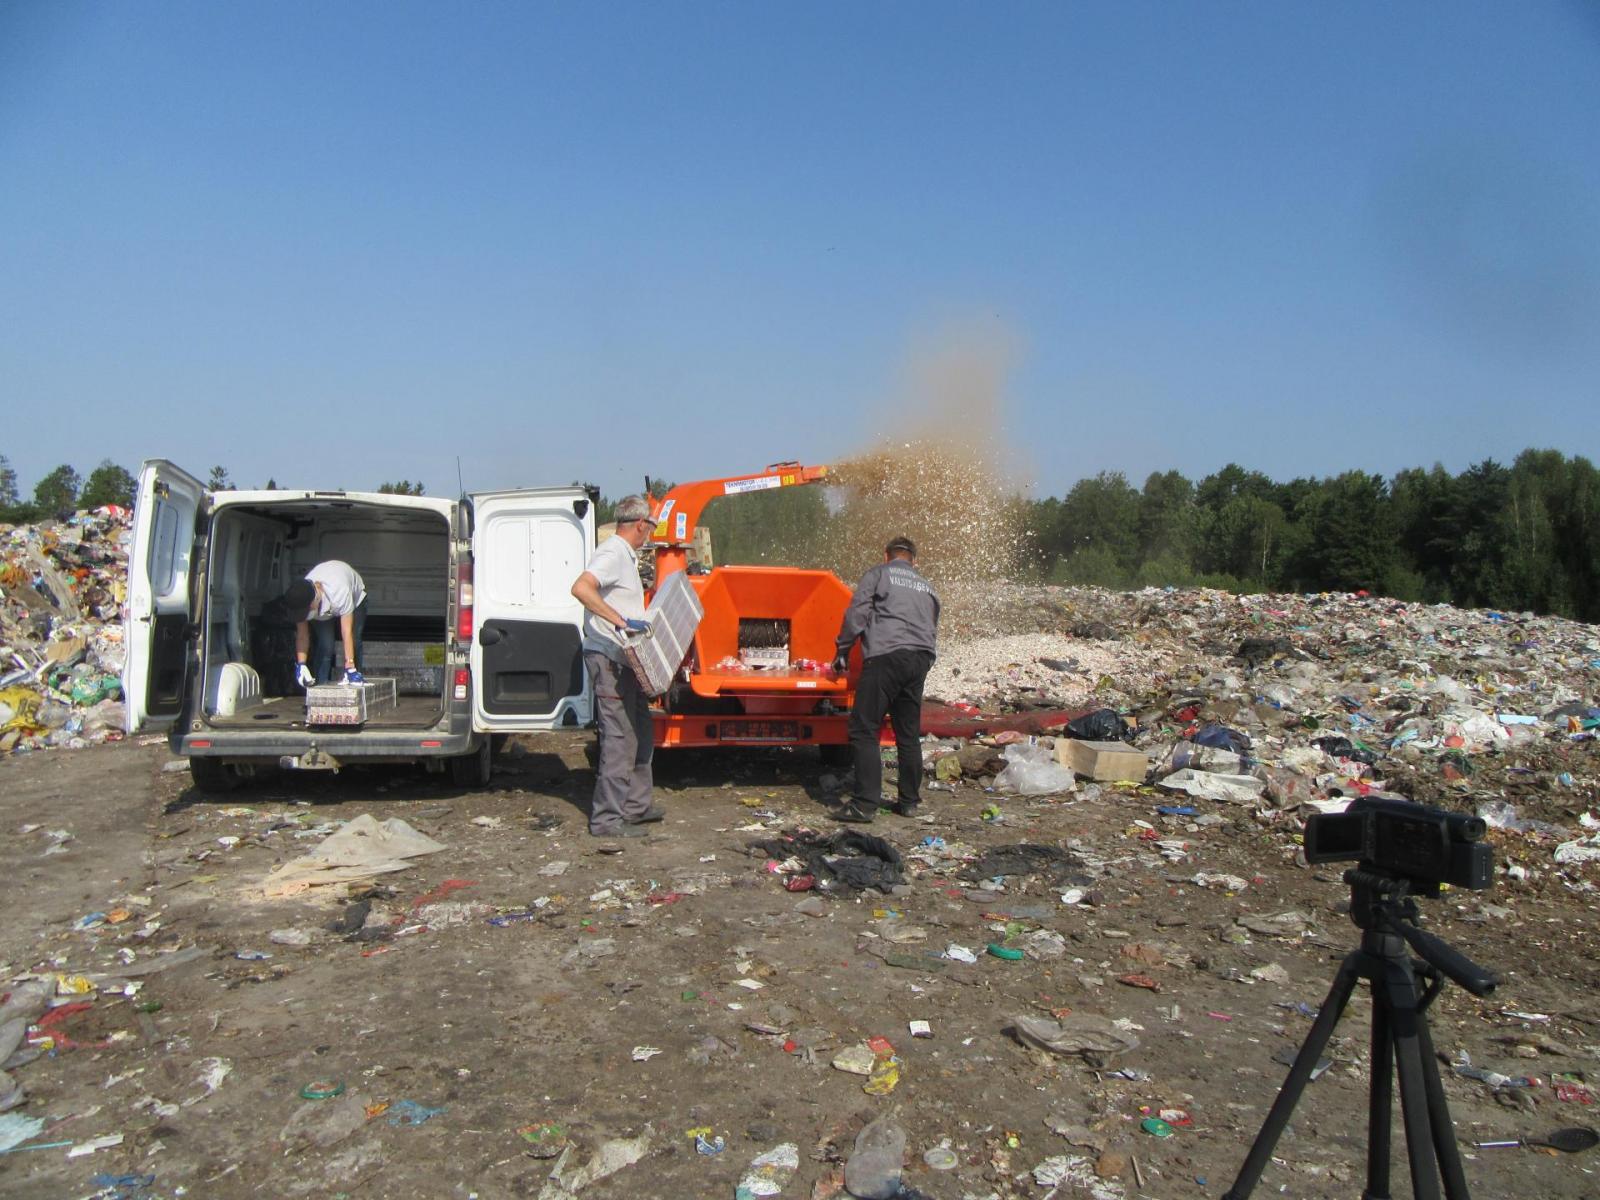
(873, 1172)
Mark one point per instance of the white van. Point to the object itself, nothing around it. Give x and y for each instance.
(469, 609)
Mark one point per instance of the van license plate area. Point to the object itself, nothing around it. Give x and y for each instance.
(311, 760)
(759, 731)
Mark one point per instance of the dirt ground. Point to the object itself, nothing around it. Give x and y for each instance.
(503, 1027)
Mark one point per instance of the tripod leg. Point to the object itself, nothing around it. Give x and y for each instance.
(1399, 992)
(1444, 1133)
(1344, 982)
(1380, 1101)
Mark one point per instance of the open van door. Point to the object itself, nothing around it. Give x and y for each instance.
(528, 547)
(166, 512)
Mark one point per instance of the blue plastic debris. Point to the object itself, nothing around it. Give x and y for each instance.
(409, 1112)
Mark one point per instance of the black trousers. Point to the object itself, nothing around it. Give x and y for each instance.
(890, 684)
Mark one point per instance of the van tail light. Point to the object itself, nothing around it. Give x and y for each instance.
(464, 602)
(463, 683)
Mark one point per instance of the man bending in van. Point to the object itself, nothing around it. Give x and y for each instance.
(331, 592)
(611, 591)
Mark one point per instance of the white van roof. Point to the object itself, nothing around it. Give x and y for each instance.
(290, 496)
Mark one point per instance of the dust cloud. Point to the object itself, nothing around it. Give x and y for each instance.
(944, 476)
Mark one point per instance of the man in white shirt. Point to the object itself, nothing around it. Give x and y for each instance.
(331, 591)
(611, 591)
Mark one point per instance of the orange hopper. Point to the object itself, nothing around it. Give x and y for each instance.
(739, 684)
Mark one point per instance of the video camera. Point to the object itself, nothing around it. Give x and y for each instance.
(1427, 846)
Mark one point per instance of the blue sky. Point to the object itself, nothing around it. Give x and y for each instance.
(338, 243)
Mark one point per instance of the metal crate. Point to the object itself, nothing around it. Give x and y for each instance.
(674, 615)
(349, 703)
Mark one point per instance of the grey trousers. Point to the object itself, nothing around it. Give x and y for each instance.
(622, 723)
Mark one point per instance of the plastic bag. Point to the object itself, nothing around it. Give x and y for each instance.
(1202, 758)
(1102, 725)
(1031, 770)
(1220, 737)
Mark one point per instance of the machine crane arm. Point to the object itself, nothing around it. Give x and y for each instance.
(678, 512)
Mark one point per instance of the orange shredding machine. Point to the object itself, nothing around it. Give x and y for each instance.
(759, 671)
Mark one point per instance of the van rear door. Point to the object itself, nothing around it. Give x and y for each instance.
(167, 510)
(527, 654)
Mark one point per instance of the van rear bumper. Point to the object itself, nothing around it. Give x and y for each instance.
(357, 745)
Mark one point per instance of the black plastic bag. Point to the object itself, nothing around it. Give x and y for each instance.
(1343, 747)
(1102, 725)
(845, 859)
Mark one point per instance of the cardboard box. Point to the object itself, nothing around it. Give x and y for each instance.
(1106, 762)
(674, 614)
(348, 703)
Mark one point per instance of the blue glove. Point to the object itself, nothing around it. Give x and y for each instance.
(303, 676)
(351, 675)
(634, 625)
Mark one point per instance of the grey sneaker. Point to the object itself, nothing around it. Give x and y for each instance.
(654, 813)
(621, 831)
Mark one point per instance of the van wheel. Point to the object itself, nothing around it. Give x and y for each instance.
(213, 776)
(472, 770)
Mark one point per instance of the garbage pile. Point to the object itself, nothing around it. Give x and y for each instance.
(62, 586)
(1289, 702)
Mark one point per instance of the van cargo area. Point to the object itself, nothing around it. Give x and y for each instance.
(258, 549)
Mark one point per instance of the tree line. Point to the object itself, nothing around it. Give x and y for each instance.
(1523, 538)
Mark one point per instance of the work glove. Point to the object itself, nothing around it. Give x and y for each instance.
(303, 675)
(351, 675)
(634, 625)
(841, 664)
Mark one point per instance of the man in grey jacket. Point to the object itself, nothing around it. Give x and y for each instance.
(895, 613)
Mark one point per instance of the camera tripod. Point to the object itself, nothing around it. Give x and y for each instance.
(1382, 906)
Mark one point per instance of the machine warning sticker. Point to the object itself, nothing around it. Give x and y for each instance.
(661, 517)
(734, 487)
(683, 526)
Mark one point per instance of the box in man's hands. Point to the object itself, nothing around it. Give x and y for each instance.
(674, 614)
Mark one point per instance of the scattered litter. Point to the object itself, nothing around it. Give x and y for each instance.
(1096, 1040)
(545, 1139)
(105, 1142)
(769, 1173)
(360, 849)
(409, 1112)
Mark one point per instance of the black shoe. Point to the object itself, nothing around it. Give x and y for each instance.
(856, 813)
(654, 813)
(908, 808)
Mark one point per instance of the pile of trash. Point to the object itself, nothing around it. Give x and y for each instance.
(1287, 702)
(62, 587)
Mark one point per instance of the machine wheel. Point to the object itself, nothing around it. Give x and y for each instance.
(214, 777)
(472, 770)
(836, 756)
